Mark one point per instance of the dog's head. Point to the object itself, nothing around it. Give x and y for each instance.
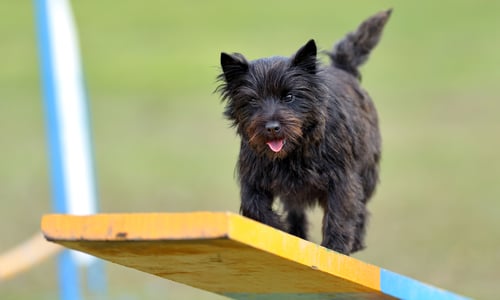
(275, 103)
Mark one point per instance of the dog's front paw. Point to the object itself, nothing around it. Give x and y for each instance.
(340, 245)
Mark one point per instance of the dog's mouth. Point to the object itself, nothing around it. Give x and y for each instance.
(276, 145)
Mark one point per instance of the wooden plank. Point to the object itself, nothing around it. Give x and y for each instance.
(223, 253)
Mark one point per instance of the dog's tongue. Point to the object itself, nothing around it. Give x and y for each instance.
(275, 145)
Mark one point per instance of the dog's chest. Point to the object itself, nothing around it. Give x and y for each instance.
(296, 180)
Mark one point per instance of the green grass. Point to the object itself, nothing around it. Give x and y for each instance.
(161, 143)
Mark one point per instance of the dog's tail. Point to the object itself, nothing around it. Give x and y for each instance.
(352, 51)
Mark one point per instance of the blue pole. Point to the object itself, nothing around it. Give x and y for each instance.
(67, 269)
(70, 154)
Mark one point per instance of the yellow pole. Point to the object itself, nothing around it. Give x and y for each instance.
(24, 256)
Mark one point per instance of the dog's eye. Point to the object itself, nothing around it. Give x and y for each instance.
(289, 98)
(253, 102)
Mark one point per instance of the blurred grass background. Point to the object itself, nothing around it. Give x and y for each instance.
(161, 143)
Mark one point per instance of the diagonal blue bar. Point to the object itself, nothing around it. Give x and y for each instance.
(402, 287)
(67, 269)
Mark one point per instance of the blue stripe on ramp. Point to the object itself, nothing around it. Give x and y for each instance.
(406, 288)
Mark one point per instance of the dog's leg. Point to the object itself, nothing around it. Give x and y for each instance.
(257, 204)
(342, 207)
(359, 238)
(369, 178)
(297, 223)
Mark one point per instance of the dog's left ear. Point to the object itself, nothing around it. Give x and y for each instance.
(305, 58)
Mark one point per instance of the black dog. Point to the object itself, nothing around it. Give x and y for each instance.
(309, 134)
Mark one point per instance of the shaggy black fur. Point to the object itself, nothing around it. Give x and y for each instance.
(309, 134)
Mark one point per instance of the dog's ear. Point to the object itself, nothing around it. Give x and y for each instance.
(305, 58)
(233, 65)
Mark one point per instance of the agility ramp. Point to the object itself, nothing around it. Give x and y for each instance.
(230, 255)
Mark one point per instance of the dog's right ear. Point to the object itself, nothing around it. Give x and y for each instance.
(233, 66)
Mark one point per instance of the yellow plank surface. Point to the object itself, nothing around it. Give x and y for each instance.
(224, 253)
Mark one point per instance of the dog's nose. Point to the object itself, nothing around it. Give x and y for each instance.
(273, 126)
